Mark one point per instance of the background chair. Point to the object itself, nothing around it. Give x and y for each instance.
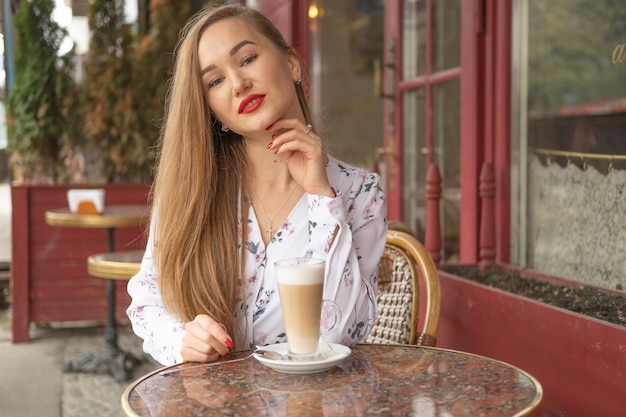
(404, 270)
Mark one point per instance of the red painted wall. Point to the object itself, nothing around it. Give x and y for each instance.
(579, 361)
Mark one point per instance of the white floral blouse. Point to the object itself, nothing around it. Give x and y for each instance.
(351, 268)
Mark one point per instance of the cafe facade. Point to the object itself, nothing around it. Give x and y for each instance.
(518, 102)
(531, 91)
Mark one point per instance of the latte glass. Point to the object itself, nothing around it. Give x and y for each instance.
(300, 286)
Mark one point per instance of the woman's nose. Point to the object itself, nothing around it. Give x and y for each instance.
(240, 84)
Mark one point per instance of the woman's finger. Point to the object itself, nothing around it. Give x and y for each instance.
(298, 140)
(205, 339)
(219, 338)
(197, 353)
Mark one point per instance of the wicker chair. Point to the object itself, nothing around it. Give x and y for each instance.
(399, 287)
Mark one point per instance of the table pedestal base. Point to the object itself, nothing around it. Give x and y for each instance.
(110, 359)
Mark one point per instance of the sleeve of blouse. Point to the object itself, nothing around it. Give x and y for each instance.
(161, 332)
(349, 231)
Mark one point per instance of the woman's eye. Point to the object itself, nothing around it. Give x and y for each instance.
(215, 82)
(248, 60)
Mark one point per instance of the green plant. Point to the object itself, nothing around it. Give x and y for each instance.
(106, 91)
(42, 97)
(152, 67)
(111, 118)
(125, 85)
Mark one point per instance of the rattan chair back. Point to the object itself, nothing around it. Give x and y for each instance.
(404, 270)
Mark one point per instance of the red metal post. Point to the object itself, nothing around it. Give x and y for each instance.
(502, 128)
(472, 91)
(392, 116)
(487, 241)
(20, 265)
(433, 224)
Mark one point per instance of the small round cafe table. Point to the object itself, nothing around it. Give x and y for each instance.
(121, 265)
(375, 380)
(118, 362)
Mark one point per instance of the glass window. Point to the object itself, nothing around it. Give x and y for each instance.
(414, 160)
(414, 25)
(570, 189)
(446, 149)
(431, 114)
(446, 34)
(346, 39)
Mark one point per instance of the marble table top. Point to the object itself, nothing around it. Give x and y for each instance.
(375, 380)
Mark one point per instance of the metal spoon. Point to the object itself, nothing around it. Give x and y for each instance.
(269, 354)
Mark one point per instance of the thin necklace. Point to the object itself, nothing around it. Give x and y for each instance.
(269, 230)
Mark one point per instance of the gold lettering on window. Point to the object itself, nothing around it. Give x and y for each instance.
(619, 53)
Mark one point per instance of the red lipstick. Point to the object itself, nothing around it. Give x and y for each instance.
(251, 103)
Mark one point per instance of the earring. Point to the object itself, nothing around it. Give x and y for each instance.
(225, 129)
(299, 81)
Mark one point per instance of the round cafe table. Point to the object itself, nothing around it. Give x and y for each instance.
(118, 363)
(121, 265)
(114, 216)
(375, 380)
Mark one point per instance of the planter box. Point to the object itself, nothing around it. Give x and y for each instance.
(49, 264)
(580, 361)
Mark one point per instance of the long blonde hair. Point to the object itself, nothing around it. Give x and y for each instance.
(199, 182)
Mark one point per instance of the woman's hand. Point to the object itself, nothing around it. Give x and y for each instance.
(205, 340)
(304, 154)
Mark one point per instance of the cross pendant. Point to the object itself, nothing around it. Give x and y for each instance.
(270, 231)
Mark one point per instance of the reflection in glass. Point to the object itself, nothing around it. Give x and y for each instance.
(573, 152)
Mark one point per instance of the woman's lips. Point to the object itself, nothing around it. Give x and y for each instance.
(251, 103)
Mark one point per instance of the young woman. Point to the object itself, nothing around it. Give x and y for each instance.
(243, 181)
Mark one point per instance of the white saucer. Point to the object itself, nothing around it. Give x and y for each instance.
(331, 354)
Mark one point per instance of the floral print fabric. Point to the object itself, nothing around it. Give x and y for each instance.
(352, 256)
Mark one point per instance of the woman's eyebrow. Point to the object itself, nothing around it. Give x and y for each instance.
(240, 45)
(232, 52)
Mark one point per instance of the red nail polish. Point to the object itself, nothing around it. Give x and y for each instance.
(269, 127)
(227, 354)
(274, 136)
(269, 145)
(228, 343)
(276, 151)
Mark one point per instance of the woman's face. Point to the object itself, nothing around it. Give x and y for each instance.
(249, 83)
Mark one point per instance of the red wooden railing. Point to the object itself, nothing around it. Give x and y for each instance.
(432, 238)
(487, 237)
(487, 242)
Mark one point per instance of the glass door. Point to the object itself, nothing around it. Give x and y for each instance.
(428, 104)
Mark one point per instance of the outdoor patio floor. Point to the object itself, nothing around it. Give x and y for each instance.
(32, 382)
